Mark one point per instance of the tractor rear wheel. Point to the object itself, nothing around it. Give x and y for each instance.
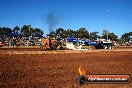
(44, 47)
(57, 46)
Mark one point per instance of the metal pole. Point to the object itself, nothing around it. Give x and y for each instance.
(107, 35)
(29, 30)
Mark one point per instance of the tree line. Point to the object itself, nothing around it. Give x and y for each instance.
(83, 33)
(27, 31)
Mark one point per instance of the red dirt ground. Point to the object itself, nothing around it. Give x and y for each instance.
(32, 68)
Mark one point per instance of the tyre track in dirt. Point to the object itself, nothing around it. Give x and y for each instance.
(59, 69)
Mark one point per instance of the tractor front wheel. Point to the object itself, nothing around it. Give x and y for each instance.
(57, 46)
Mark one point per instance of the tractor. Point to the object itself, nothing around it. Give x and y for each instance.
(53, 44)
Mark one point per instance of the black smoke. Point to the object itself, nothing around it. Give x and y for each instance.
(52, 21)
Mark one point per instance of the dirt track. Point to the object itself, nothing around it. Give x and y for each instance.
(32, 68)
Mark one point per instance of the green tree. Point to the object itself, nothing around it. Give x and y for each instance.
(94, 35)
(113, 37)
(38, 32)
(1, 31)
(126, 36)
(61, 32)
(108, 35)
(82, 33)
(16, 30)
(4, 31)
(120, 41)
(25, 30)
(52, 35)
(33, 31)
(69, 32)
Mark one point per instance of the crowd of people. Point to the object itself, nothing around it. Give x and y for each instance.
(30, 41)
(17, 41)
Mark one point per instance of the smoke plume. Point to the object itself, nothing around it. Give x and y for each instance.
(52, 21)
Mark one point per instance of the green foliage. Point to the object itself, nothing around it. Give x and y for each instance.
(126, 36)
(52, 35)
(94, 35)
(5, 31)
(37, 32)
(70, 32)
(16, 30)
(82, 33)
(29, 31)
(25, 31)
(61, 32)
(111, 36)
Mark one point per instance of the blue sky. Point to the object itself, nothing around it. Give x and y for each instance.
(94, 15)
